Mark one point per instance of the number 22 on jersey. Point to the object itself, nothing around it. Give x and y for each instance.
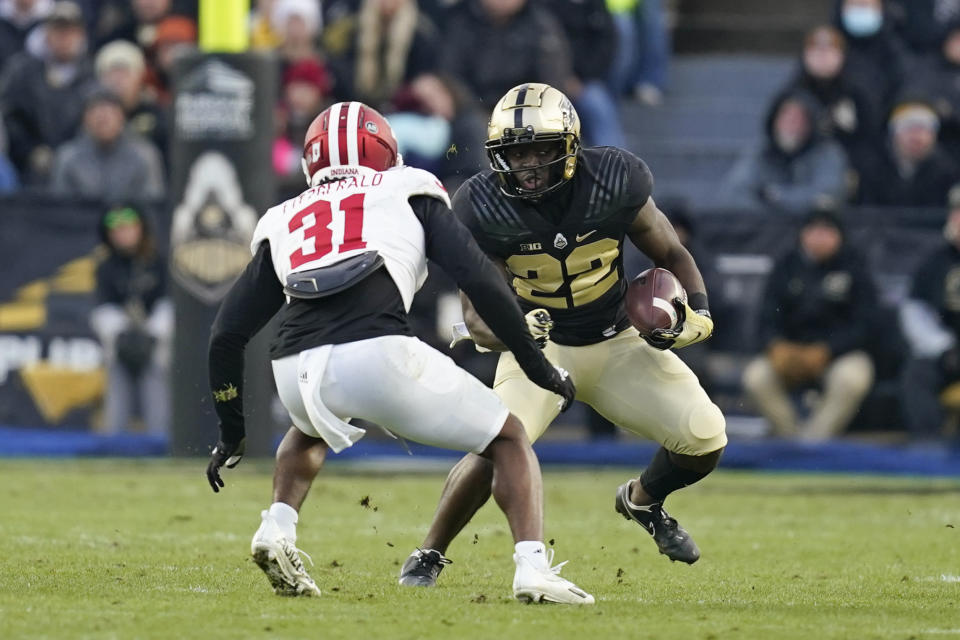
(334, 229)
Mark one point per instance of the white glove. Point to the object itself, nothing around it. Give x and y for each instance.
(539, 324)
(459, 333)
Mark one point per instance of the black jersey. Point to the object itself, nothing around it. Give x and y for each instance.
(564, 253)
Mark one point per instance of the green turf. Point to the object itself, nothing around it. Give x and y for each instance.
(115, 549)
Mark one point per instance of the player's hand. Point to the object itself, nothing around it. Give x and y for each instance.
(224, 454)
(539, 324)
(561, 384)
(459, 333)
(694, 326)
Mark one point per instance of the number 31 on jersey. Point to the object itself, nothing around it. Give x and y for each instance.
(333, 229)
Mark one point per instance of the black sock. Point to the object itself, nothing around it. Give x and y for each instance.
(662, 477)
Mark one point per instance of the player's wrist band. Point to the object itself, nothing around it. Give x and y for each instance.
(698, 302)
(703, 312)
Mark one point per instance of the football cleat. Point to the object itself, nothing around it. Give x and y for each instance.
(280, 560)
(422, 568)
(672, 539)
(536, 581)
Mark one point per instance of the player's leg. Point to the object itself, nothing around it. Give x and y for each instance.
(299, 458)
(425, 397)
(468, 484)
(654, 394)
(466, 489)
(518, 490)
(517, 483)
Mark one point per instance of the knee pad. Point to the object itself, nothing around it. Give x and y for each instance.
(708, 428)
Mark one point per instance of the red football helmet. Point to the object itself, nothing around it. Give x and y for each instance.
(348, 139)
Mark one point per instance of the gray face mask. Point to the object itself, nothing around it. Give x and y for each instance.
(862, 21)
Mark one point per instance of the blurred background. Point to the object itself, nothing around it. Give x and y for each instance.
(808, 151)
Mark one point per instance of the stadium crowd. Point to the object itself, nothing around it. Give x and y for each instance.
(871, 116)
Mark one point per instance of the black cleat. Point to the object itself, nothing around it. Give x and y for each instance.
(422, 568)
(672, 539)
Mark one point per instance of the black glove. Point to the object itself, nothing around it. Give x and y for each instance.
(659, 339)
(224, 454)
(558, 381)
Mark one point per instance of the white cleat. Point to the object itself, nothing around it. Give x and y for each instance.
(280, 559)
(539, 582)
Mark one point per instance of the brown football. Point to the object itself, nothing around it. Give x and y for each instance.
(649, 300)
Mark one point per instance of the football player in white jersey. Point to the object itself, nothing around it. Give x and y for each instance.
(341, 263)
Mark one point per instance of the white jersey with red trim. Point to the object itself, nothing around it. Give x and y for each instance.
(336, 220)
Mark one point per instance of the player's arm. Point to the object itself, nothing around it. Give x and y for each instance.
(450, 245)
(252, 300)
(479, 331)
(653, 234)
(538, 321)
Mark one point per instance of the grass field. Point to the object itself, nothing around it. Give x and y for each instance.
(117, 549)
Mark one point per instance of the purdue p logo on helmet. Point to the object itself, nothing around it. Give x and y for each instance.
(532, 113)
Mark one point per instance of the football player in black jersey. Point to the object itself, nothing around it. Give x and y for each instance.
(554, 217)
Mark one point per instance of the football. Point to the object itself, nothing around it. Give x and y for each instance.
(649, 300)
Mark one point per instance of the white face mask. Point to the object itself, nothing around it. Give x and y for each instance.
(788, 142)
(862, 21)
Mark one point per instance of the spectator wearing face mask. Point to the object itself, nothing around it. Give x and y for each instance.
(877, 59)
(915, 171)
(795, 168)
(439, 129)
(847, 112)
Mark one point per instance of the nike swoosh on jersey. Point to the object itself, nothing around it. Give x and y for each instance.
(581, 238)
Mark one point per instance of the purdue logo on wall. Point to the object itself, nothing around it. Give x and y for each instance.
(211, 230)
